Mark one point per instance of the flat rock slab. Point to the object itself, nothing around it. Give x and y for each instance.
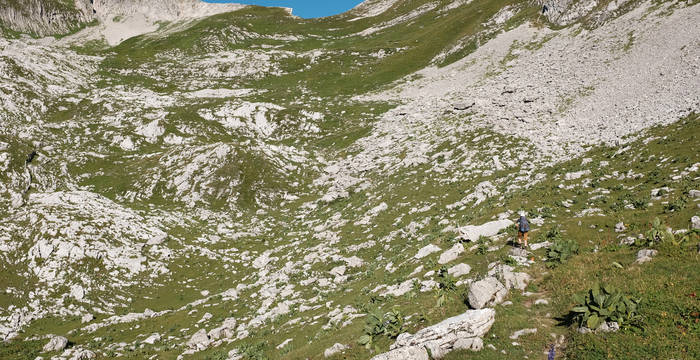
(491, 228)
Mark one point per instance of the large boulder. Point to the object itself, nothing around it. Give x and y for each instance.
(509, 278)
(486, 292)
(56, 343)
(491, 228)
(458, 332)
(200, 340)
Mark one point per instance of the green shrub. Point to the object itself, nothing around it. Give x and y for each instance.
(391, 324)
(561, 249)
(676, 205)
(601, 304)
(659, 234)
(641, 202)
(560, 252)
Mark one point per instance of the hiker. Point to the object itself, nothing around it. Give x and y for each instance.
(523, 228)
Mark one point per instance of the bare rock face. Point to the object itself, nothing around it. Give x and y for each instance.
(45, 17)
(57, 343)
(167, 10)
(458, 332)
(488, 291)
(42, 17)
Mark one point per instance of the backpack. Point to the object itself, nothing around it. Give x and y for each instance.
(524, 224)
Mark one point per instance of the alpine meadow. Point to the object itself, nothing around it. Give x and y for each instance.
(410, 179)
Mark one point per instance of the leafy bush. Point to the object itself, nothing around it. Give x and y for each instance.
(676, 205)
(561, 249)
(659, 234)
(602, 304)
(641, 202)
(390, 324)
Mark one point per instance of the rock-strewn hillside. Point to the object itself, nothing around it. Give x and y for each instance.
(188, 180)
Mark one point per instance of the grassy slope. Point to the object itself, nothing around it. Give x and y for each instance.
(663, 283)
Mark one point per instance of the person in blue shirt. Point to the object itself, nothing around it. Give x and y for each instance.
(523, 226)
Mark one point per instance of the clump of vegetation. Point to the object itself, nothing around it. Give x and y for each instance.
(660, 234)
(676, 205)
(391, 324)
(605, 303)
(482, 245)
(446, 285)
(561, 249)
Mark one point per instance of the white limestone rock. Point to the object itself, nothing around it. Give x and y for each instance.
(522, 332)
(336, 348)
(152, 339)
(459, 270)
(84, 355)
(473, 344)
(473, 232)
(695, 222)
(645, 255)
(427, 250)
(451, 254)
(87, 318)
(509, 278)
(199, 340)
(457, 332)
(486, 292)
(56, 343)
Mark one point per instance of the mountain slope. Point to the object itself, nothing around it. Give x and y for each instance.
(274, 181)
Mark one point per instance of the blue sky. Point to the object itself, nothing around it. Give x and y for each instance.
(303, 8)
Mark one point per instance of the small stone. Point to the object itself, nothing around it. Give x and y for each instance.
(537, 246)
(695, 222)
(620, 227)
(610, 326)
(645, 255)
(87, 318)
(338, 270)
(522, 332)
(695, 194)
(84, 355)
(154, 338)
(541, 302)
(334, 350)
